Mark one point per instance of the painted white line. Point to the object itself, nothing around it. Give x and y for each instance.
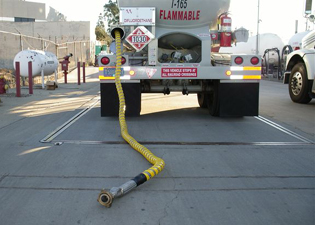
(80, 142)
(67, 124)
(284, 130)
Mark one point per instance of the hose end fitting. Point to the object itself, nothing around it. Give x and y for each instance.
(120, 30)
(105, 198)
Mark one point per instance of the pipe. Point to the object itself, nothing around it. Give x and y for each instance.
(83, 66)
(106, 198)
(78, 71)
(257, 37)
(30, 78)
(17, 79)
(114, 33)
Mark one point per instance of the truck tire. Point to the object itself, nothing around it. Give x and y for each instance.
(202, 100)
(213, 103)
(299, 85)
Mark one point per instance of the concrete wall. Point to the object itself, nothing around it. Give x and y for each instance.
(60, 38)
(71, 37)
(55, 31)
(17, 8)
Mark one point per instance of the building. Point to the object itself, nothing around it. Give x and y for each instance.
(24, 25)
(29, 18)
(22, 11)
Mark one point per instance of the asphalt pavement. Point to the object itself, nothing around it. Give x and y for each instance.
(57, 153)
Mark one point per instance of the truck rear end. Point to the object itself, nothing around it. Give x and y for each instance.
(170, 49)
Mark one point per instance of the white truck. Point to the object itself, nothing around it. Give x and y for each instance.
(172, 46)
(300, 64)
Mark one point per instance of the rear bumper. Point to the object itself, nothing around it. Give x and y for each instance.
(188, 72)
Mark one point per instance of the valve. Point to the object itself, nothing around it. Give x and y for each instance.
(68, 56)
(164, 57)
(65, 64)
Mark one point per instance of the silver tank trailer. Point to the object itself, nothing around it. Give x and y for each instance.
(199, 12)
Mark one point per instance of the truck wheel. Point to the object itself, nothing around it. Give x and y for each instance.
(202, 100)
(213, 100)
(299, 85)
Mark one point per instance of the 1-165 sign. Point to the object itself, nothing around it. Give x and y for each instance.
(139, 38)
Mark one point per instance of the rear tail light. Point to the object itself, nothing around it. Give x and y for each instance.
(123, 60)
(296, 48)
(254, 60)
(105, 60)
(238, 60)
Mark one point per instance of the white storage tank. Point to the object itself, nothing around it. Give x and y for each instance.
(182, 13)
(41, 60)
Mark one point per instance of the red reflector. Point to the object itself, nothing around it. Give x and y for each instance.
(296, 48)
(254, 60)
(123, 60)
(238, 60)
(105, 60)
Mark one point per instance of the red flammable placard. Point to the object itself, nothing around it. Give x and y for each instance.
(139, 38)
(179, 72)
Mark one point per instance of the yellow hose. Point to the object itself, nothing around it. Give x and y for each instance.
(106, 197)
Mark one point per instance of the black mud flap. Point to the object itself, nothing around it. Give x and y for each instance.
(238, 99)
(110, 101)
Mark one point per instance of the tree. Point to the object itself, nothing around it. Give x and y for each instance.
(100, 32)
(100, 22)
(111, 15)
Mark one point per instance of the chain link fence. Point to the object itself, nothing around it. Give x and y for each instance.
(13, 43)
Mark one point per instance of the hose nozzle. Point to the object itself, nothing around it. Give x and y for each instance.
(105, 198)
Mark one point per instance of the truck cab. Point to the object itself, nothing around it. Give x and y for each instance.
(300, 71)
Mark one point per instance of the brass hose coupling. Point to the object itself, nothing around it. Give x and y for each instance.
(106, 198)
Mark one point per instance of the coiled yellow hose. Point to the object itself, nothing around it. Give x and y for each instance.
(106, 197)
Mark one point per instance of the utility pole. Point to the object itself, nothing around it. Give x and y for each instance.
(257, 37)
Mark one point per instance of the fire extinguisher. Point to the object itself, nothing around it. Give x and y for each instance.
(226, 30)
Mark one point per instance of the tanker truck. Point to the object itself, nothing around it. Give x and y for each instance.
(172, 46)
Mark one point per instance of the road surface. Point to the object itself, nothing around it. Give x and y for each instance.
(57, 153)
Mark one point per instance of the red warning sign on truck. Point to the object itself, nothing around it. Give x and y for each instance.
(179, 72)
(139, 38)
